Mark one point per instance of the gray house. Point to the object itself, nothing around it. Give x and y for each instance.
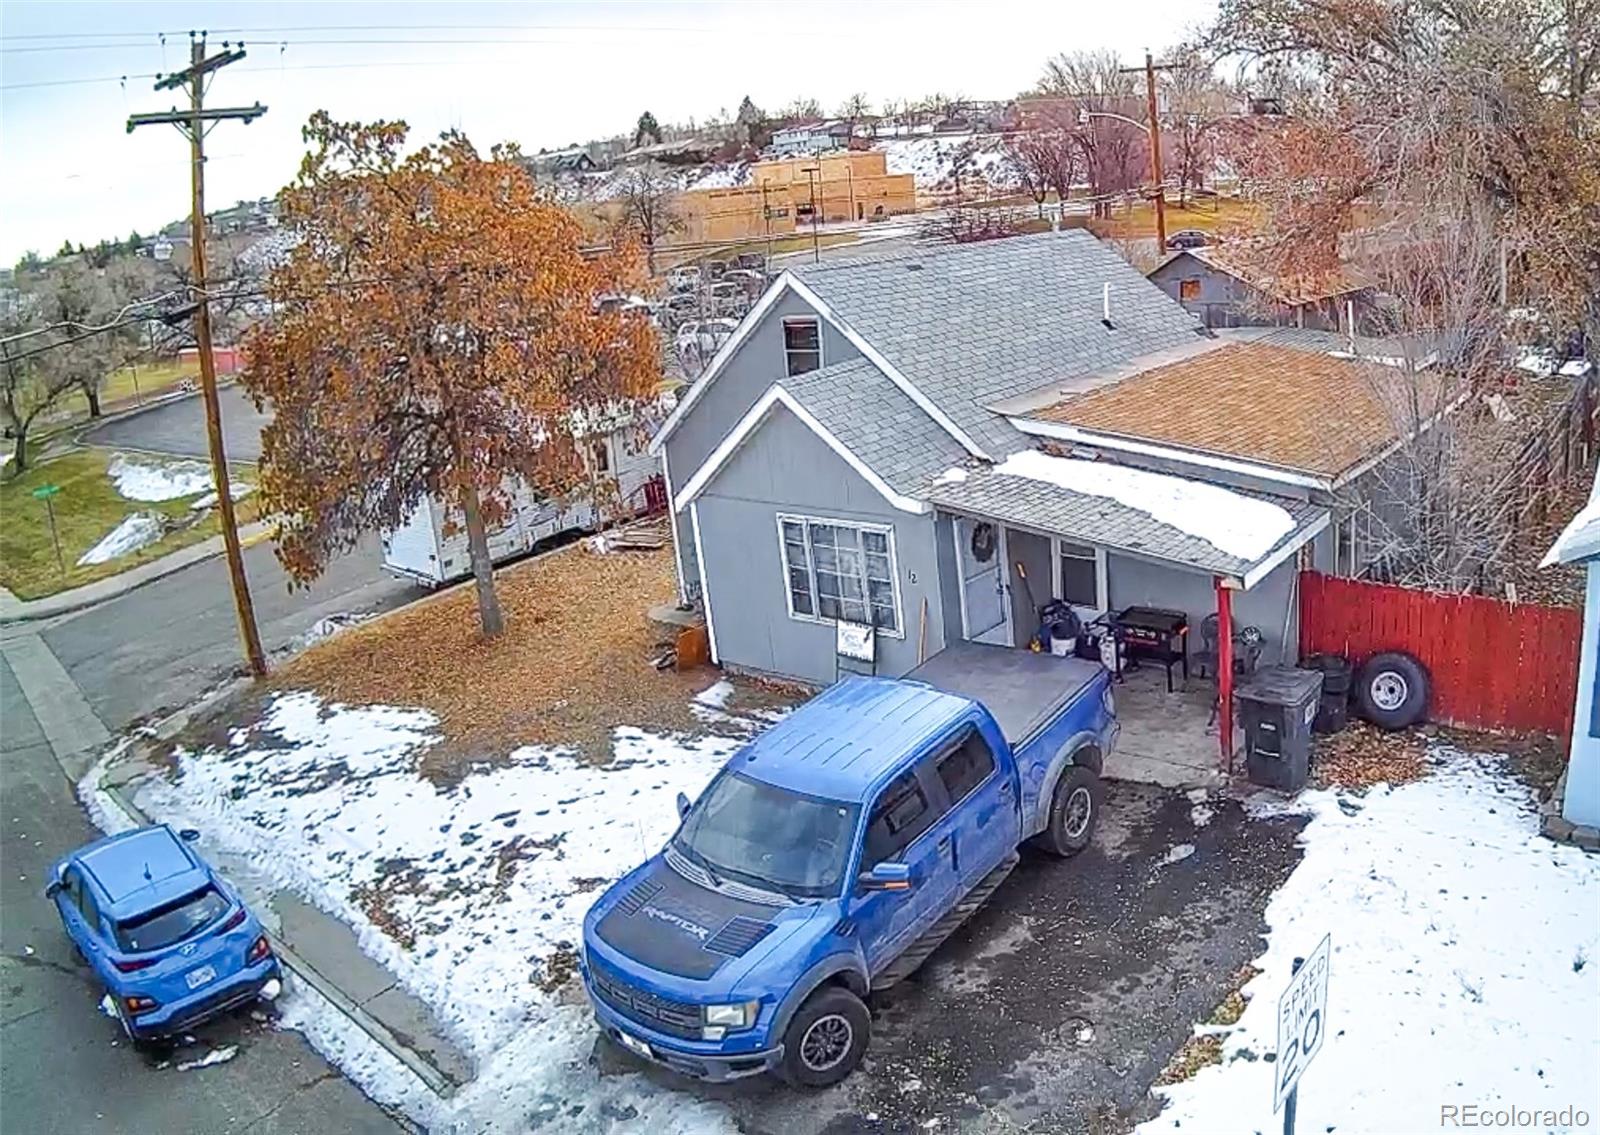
(1225, 288)
(929, 446)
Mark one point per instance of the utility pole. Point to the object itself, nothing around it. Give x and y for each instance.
(1150, 68)
(192, 123)
(811, 173)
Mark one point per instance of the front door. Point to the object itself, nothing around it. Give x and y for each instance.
(981, 556)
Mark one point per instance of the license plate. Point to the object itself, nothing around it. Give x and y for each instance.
(198, 977)
(634, 1045)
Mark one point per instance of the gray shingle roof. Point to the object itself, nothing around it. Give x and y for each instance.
(876, 421)
(1100, 520)
(971, 324)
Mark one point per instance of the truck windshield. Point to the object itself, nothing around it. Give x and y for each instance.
(769, 837)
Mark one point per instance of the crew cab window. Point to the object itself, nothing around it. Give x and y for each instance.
(900, 816)
(966, 766)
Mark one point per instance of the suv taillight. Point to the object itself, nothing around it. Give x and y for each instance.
(135, 965)
(259, 949)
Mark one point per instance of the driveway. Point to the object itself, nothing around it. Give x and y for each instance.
(179, 427)
(1057, 1007)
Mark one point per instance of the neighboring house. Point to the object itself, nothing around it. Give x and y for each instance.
(558, 162)
(853, 453)
(1580, 544)
(810, 137)
(1224, 288)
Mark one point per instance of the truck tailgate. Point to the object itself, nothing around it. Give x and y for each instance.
(1023, 690)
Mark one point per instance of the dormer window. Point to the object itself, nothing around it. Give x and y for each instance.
(802, 345)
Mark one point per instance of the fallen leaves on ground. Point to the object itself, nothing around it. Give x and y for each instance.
(574, 663)
(1361, 755)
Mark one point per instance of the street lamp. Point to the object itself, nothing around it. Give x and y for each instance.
(1084, 117)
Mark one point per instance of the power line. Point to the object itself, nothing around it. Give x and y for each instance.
(193, 125)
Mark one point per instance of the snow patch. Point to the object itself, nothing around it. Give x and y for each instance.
(236, 489)
(1176, 854)
(716, 697)
(135, 532)
(1455, 925)
(952, 476)
(1244, 527)
(215, 1056)
(931, 160)
(139, 480)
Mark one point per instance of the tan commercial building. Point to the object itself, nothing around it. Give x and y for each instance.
(850, 186)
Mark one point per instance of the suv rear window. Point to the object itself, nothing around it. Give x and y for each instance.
(170, 924)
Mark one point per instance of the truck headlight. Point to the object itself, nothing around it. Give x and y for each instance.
(739, 1016)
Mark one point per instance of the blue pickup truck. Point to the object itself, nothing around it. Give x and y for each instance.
(833, 854)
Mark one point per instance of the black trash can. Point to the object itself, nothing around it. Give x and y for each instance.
(1333, 712)
(1276, 707)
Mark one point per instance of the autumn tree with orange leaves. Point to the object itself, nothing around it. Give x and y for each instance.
(435, 332)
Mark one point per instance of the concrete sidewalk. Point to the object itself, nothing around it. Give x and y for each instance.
(14, 610)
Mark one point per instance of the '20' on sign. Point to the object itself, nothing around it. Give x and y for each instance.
(1302, 1021)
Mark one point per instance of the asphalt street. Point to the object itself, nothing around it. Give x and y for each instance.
(64, 1065)
(179, 427)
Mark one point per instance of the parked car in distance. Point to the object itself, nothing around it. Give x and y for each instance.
(728, 298)
(715, 269)
(833, 854)
(753, 282)
(1188, 238)
(172, 943)
(752, 261)
(685, 277)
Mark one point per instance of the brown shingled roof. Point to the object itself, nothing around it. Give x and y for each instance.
(1297, 410)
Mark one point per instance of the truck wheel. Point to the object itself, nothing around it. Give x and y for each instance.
(1074, 811)
(1392, 690)
(826, 1039)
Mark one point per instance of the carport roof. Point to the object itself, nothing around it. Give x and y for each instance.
(1086, 518)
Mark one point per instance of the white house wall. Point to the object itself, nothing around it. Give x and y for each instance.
(785, 468)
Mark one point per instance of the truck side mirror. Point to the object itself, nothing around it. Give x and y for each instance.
(886, 877)
(188, 835)
(52, 888)
(683, 805)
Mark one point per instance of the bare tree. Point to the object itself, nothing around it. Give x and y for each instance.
(32, 382)
(1112, 150)
(1046, 151)
(647, 193)
(1198, 108)
(854, 109)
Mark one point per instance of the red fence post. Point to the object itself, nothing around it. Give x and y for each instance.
(1225, 674)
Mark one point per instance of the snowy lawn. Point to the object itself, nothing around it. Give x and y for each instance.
(1465, 968)
(472, 894)
(147, 479)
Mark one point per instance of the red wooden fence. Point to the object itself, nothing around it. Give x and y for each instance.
(1494, 665)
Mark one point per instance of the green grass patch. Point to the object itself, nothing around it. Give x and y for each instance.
(87, 507)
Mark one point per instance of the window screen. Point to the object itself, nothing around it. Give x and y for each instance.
(802, 345)
(1080, 575)
(840, 571)
(965, 767)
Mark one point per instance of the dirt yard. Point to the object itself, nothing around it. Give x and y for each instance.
(575, 661)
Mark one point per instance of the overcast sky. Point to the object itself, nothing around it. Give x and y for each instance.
(541, 74)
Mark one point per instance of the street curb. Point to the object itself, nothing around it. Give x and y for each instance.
(437, 1082)
(169, 727)
(163, 567)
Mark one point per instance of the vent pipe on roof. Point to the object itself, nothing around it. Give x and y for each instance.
(1105, 305)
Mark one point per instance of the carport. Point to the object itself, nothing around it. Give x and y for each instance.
(1105, 538)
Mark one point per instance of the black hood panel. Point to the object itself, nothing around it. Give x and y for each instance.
(670, 924)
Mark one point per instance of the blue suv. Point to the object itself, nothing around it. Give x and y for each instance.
(169, 940)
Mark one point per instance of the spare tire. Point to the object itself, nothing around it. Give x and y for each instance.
(1392, 690)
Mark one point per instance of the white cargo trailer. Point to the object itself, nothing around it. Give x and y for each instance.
(419, 549)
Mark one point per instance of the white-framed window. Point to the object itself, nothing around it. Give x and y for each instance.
(802, 345)
(1080, 575)
(835, 569)
(1359, 541)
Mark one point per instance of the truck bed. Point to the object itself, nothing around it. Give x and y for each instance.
(1023, 690)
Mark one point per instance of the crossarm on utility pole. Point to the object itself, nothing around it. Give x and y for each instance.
(192, 123)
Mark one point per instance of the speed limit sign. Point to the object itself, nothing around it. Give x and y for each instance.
(1302, 1023)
